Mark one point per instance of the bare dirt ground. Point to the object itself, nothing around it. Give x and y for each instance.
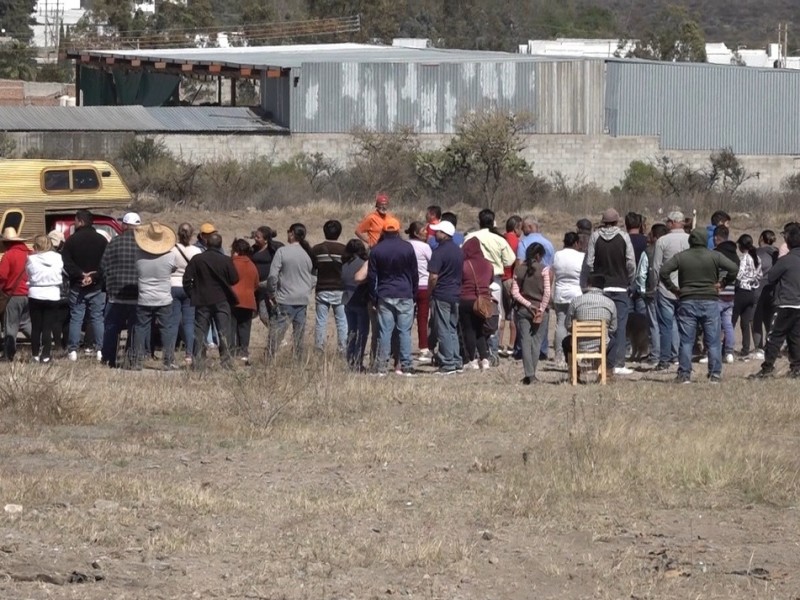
(304, 481)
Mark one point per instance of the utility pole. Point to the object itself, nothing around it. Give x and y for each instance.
(783, 45)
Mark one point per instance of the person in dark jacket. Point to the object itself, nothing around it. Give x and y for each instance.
(262, 252)
(393, 284)
(118, 270)
(701, 272)
(208, 279)
(727, 248)
(610, 254)
(784, 276)
(82, 254)
(445, 271)
(767, 256)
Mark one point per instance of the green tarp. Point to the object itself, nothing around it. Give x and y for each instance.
(121, 87)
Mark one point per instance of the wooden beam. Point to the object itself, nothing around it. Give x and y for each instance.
(214, 68)
(186, 67)
(245, 71)
(273, 73)
(136, 62)
(160, 65)
(85, 58)
(109, 60)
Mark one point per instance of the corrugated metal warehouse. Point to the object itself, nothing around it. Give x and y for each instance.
(335, 88)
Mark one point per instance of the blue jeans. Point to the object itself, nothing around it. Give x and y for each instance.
(182, 319)
(651, 305)
(618, 342)
(118, 317)
(668, 344)
(705, 313)
(279, 323)
(145, 315)
(325, 302)
(445, 322)
(726, 320)
(357, 335)
(394, 314)
(79, 302)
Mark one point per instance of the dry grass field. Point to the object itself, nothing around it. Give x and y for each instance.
(305, 481)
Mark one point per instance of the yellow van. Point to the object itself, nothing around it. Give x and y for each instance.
(38, 196)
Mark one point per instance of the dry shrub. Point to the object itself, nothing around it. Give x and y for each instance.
(45, 395)
(602, 454)
(319, 387)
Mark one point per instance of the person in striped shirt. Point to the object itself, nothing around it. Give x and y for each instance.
(592, 305)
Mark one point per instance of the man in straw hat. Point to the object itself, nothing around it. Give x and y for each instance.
(14, 282)
(118, 269)
(154, 266)
(82, 254)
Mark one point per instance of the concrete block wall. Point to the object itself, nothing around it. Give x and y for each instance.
(580, 159)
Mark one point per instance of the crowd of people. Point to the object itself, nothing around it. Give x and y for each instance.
(477, 297)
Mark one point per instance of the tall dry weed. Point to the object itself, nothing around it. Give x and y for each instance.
(45, 395)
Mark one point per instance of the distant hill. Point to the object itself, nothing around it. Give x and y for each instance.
(749, 22)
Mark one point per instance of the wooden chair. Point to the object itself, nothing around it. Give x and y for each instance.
(588, 330)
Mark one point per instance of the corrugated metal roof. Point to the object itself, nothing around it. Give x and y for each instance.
(294, 56)
(705, 107)
(134, 119)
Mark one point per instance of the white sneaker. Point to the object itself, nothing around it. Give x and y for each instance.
(73, 356)
(759, 355)
(703, 361)
(473, 365)
(729, 358)
(485, 364)
(99, 356)
(623, 371)
(425, 357)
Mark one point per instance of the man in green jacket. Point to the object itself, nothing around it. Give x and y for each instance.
(701, 274)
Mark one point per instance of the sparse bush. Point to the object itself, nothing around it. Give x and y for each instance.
(384, 162)
(643, 179)
(728, 172)
(41, 395)
(152, 169)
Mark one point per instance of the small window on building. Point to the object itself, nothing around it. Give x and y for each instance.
(13, 218)
(85, 179)
(56, 180)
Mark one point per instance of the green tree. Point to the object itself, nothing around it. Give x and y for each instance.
(487, 147)
(17, 61)
(674, 36)
(16, 18)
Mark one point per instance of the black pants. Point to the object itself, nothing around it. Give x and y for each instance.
(241, 321)
(744, 306)
(472, 332)
(785, 327)
(220, 315)
(44, 325)
(762, 319)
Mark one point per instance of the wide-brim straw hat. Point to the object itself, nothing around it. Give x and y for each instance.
(155, 238)
(10, 235)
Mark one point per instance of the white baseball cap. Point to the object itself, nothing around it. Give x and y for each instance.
(445, 227)
(132, 218)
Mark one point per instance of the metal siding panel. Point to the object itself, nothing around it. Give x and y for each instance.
(698, 107)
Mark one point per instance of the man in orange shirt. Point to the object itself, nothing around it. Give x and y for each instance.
(370, 229)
